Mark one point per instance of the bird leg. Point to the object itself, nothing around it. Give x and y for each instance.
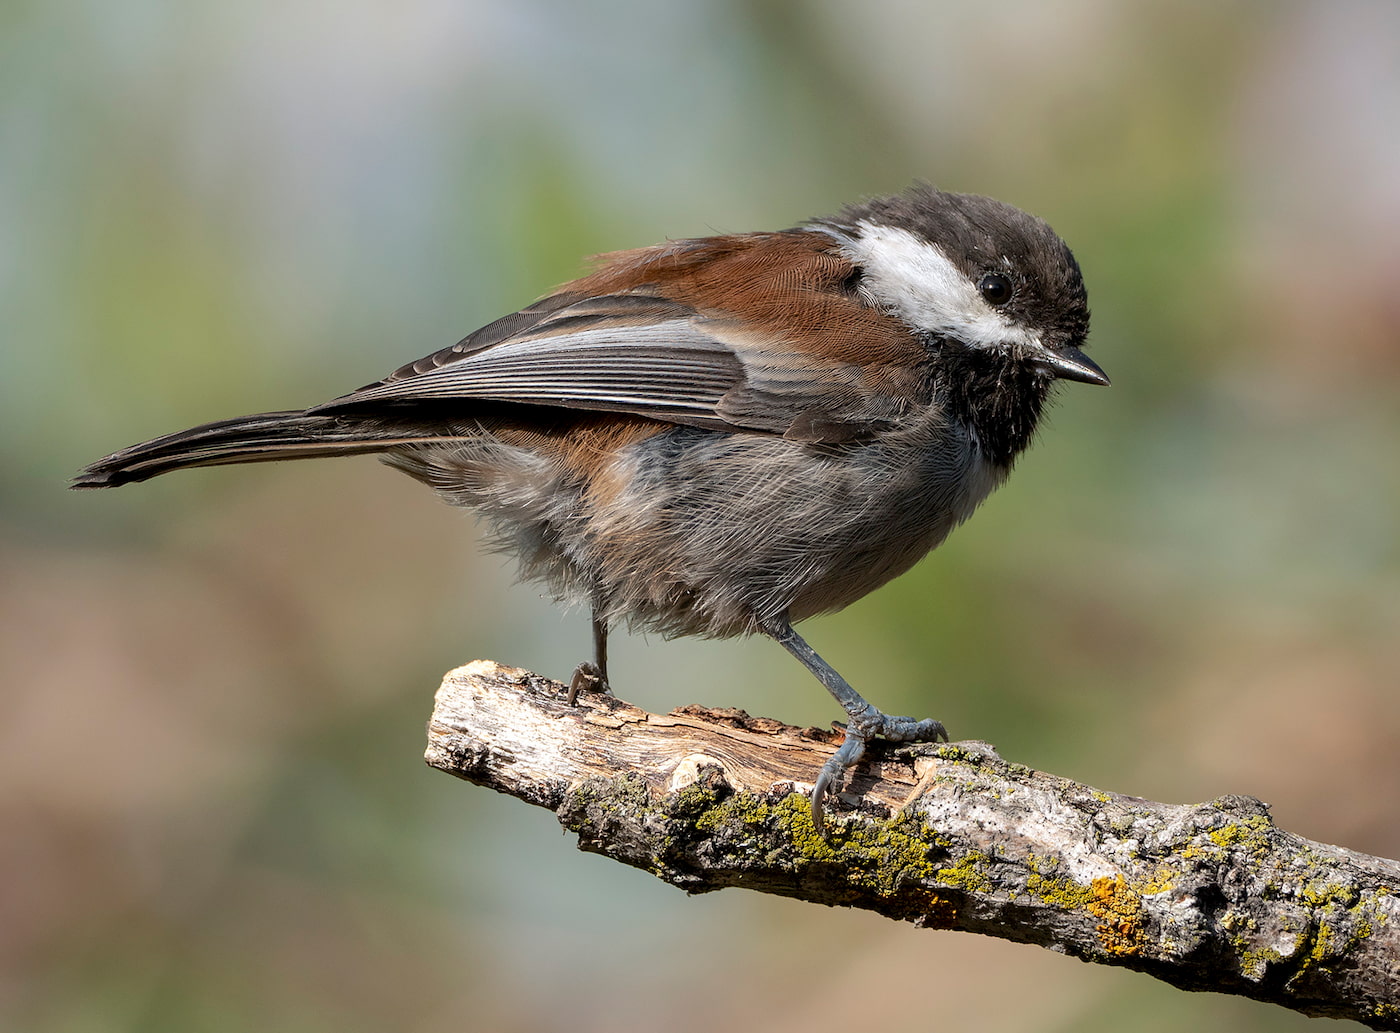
(592, 676)
(866, 721)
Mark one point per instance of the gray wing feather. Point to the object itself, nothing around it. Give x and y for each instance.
(643, 355)
(622, 353)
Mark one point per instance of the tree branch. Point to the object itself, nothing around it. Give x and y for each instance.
(1207, 897)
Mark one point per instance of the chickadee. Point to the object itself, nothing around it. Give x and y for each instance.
(729, 434)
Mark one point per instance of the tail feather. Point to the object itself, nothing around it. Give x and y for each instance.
(265, 437)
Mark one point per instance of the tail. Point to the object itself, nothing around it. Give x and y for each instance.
(263, 438)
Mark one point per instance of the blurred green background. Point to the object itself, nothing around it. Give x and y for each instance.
(215, 685)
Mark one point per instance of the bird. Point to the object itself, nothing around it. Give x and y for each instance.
(725, 435)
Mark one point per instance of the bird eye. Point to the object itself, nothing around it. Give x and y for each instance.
(995, 288)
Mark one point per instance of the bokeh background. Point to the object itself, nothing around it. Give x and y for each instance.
(214, 686)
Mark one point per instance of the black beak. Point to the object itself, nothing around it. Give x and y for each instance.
(1069, 363)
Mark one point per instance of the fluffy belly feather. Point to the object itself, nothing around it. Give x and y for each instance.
(699, 532)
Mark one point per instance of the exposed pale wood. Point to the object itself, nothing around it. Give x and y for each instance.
(1211, 896)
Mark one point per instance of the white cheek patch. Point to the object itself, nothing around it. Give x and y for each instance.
(914, 279)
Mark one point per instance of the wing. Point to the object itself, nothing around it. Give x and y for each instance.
(621, 353)
(724, 332)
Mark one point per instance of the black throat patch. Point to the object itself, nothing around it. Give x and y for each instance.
(999, 398)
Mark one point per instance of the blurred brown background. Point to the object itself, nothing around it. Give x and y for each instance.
(214, 686)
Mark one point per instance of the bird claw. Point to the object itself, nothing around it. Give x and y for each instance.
(864, 726)
(871, 722)
(588, 677)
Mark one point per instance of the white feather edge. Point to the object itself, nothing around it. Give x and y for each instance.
(581, 364)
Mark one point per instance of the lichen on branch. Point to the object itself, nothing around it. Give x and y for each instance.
(1211, 896)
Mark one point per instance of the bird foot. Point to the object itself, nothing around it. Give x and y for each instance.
(865, 725)
(588, 677)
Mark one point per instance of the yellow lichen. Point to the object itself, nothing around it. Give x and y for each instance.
(1251, 833)
(1163, 879)
(1056, 890)
(969, 874)
(1119, 910)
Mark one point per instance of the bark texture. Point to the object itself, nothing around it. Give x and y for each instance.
(1210, 896)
